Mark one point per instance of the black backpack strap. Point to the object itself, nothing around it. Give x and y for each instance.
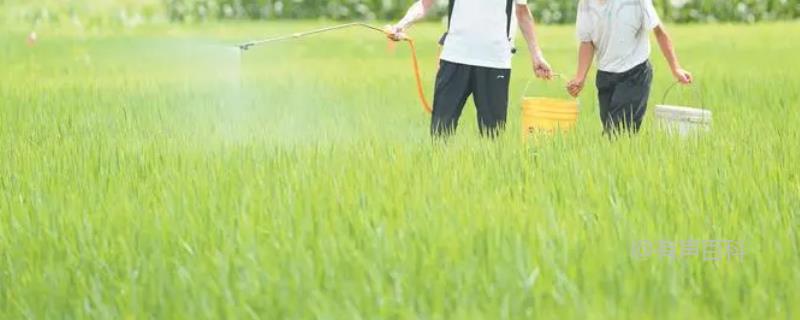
(509, 10)
(450, 6)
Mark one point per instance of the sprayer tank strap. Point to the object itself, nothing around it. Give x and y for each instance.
(451, 4)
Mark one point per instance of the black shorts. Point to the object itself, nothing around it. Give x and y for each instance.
(454, 84)
(623, 98)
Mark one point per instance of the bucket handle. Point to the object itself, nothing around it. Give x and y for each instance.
(695, 89)
(530, 81)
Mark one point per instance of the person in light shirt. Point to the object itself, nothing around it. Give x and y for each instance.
(476, 59)
(616, 32)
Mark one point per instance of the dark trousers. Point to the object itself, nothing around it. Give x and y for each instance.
(623, 98)
(454, 84)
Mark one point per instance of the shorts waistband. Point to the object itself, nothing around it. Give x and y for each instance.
(643, 65)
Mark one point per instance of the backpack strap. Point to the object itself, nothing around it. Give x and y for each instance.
(509, 11)
(450, 5)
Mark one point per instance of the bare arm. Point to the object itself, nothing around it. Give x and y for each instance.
(417, 11)
(665, 43)
(528, 27)
(585, 56)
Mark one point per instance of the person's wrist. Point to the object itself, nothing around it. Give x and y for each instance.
(536, 54)
(403, 25)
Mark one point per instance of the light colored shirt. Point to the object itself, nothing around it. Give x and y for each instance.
(478, 35)
(619, 30)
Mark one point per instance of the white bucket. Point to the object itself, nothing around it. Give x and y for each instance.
(680, 120)
(683, 121)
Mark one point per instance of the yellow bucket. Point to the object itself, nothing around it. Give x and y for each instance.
(548, 115)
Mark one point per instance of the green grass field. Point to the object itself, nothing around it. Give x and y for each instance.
(144, 175)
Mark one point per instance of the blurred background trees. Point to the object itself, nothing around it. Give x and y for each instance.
(133, 12)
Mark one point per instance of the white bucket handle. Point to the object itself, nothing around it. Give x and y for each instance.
(697, 95)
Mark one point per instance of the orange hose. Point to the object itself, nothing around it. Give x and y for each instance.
(420, 90)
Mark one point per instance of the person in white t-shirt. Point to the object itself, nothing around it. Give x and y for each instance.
(476, 59)
(617, 32)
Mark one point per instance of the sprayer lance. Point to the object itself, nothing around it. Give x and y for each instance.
(248, 45)
(399, 37)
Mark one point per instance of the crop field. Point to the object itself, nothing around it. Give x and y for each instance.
(158, 173)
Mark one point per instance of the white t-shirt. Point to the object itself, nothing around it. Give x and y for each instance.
(478, 35)
(619, 30)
